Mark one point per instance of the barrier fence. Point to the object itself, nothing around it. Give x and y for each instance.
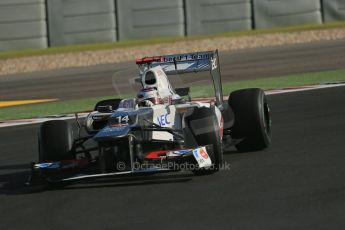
(49, 23)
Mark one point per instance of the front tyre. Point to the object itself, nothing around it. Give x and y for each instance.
(252, 119)
(205, 129)
(55, 141)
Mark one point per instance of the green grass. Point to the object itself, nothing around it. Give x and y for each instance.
(52, 108)
(276, 82)
(70, 106)
(129, 43)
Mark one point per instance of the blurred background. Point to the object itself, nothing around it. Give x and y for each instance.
(50, 23)
(62, 56)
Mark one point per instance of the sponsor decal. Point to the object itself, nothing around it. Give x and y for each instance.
(163, 120)
(214, 63)
(53, 165)
(182, 151)
(203, 153)
(186, 57)
(202, 157)
(65, 164)
(162, 154)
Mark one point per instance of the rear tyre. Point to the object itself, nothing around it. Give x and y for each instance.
(55, 141)
(252, 119)
(205, 129)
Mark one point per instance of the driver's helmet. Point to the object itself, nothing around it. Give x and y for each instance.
(148, 96)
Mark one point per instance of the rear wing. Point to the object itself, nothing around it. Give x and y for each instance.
(180, 63)
(187, 63)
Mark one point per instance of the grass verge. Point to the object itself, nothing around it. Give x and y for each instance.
(276, 82)
(70, 106)
(128, 43)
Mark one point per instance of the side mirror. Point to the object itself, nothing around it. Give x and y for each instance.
(114, 103)
(183, 92)
(105, 108)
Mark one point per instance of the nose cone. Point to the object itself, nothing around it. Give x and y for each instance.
(111, 133)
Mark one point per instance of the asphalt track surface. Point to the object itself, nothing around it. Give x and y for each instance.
(245, 64)
(298, 183)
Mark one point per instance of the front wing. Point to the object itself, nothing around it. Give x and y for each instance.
(163, 161)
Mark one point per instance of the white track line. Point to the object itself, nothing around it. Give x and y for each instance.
(304, 88)
(71, 116)
(39, 120)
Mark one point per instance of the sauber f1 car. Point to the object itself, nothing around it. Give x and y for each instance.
(159, 130)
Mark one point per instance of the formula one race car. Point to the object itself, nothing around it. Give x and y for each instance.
(158, 131)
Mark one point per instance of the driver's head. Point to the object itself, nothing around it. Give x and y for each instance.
(148, 94)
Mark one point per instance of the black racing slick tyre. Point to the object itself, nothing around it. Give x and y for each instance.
(252, 119)
(55, 141)
(205, 129)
